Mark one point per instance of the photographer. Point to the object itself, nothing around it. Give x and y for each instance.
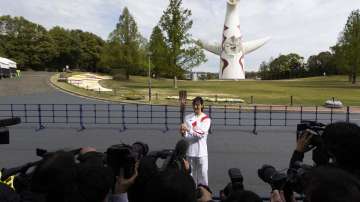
(338, 144)
(58, 178)
(328, 184)
(235, 191)
(175, 186)
(335, 146)
(342, 141)
(122, 186)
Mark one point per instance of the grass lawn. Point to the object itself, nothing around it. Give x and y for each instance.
(306, 92)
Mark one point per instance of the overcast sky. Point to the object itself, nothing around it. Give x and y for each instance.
(305, 27)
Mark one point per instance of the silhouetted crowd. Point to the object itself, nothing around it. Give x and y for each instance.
(133, 173)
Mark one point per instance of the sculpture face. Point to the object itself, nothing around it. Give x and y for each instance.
(232, 45)
(233, 2)
(232, 50)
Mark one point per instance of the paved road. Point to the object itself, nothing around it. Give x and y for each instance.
(228, 147)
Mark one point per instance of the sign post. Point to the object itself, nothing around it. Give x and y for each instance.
(182, 100)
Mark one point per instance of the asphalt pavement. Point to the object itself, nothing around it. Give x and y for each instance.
(228, 147)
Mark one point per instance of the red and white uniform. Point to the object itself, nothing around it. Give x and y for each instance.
(197, 153)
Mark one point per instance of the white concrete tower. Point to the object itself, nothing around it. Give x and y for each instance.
(232, 49)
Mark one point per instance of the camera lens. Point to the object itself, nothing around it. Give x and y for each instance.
(271, 176)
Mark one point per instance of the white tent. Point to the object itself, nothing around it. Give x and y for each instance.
(7, 67)
(7, 63)
(4, 63)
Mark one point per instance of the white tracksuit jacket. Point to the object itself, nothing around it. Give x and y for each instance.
(198, 154)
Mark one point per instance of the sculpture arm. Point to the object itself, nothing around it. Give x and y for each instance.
(250, 46)
(213, 48)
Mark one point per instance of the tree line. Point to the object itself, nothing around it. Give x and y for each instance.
(170, 49)
(342, 58)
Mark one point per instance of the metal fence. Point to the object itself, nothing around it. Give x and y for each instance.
(124, 115)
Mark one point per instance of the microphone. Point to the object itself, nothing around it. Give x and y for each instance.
(10, 121)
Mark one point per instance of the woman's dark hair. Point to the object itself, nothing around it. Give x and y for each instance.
(198, 100)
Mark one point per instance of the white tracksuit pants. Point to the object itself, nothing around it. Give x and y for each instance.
(199, 169)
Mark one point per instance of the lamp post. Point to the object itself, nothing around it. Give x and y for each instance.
(149, 55)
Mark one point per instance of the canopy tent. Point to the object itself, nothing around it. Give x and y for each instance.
(7, 67)
(6, 63)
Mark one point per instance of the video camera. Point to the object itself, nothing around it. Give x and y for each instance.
(18, 177)
(4, 131)
(311, 128)
(235, 184)
(294, 180)
(320, 154)
(123, 157)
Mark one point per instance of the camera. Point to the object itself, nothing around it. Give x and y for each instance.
(319, 154)
(236, 183)
(294, 180)
(311, 128)
(123, 157)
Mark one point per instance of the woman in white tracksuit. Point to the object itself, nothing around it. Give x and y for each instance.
(195, 130)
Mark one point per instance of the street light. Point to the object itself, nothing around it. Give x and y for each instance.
(149, 55)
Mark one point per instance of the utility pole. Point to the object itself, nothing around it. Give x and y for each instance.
(149, 54)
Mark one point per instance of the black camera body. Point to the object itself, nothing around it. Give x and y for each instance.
(236, 183)
(311, 127)
(293, 180)
(319, 152)
(122, 157)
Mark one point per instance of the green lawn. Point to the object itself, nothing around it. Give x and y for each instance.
(306, 92)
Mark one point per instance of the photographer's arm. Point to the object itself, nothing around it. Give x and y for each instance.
(122, 185)
(278, 196)
(206, 195)
(298, 154)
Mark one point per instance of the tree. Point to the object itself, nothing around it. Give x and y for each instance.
(321, 63)
(127, 35)
(76, 48)
(25, 42)
(89, 46)
(283, 67)
(159, 53)
(348, 46)
(67, 49)
(183, 54)
(264, 70)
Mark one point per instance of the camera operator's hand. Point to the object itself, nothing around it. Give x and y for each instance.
(303, 141)
(278, 196)
(187, 165)
(205, 195)
(183, 129)
(85, 150)
(122, 185)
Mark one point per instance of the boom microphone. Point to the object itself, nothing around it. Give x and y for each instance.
(10, 122)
